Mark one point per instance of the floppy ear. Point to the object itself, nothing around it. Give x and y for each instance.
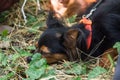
(70, 38)
(72, 33)
(53, 22)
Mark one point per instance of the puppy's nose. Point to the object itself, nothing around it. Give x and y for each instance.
(29, 59)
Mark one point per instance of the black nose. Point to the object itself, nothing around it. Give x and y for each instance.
(29, 59)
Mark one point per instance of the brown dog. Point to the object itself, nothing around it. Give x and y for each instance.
(66, 8)
(5, 4)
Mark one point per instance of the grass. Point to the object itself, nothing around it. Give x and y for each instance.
(21, 41)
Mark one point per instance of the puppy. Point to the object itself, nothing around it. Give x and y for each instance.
(59, 42)
(47, 44)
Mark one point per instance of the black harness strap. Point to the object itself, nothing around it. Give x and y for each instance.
(93, 9)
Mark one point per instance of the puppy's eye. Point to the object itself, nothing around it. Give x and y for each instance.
(44, 53)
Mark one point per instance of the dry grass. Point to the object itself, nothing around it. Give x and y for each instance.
(24, 35)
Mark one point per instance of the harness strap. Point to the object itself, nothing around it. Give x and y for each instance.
(88, 26)
(88, 23)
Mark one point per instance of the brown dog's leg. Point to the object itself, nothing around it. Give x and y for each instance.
(105, 61)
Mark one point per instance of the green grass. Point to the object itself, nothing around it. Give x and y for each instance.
(22, 39)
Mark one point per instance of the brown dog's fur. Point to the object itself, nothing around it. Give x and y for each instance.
(72, 6)
(105, 58)
(6, 4)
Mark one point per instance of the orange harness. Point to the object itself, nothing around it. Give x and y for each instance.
(88, 26)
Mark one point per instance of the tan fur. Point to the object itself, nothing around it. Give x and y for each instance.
(72, 6)
(52, 58)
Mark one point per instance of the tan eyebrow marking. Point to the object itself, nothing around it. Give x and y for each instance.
(45, 49)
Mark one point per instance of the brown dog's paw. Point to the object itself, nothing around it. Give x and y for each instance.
(105, 61)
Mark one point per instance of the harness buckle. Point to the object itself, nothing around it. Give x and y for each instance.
(91, 12)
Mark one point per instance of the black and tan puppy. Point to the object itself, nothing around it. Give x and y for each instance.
(77, 42)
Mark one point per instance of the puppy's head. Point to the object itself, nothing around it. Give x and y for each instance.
(50, 45)
(56, 45)
(67, 8)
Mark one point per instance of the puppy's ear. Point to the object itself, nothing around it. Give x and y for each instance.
(72, 34)
(53, 22)
(70, 38)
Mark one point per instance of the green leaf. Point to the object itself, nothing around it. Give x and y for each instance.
(37, 56)
(21, 53)
(96, 72)
(78, 78)
(35, 73)
(7, 77)
(15, 56)
(33, 30)
(3, 16)
(31, 47)
(31, 19)
(24, 53)
(51, 72)
(38, 64)
(37, 68)
(72, 19)
(28, 79)
(77, 69)
(4, 33)
(68, 64)
(117, 45)
(3, 59)
(4, 78)
(39, 24)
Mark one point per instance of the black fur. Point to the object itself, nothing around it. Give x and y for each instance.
(106, 31)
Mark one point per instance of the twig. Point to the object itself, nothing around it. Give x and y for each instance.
(38, 4)
(48, 78)
(22, 10)
(10, 69)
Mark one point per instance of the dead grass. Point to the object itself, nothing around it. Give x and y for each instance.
(24, 35)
